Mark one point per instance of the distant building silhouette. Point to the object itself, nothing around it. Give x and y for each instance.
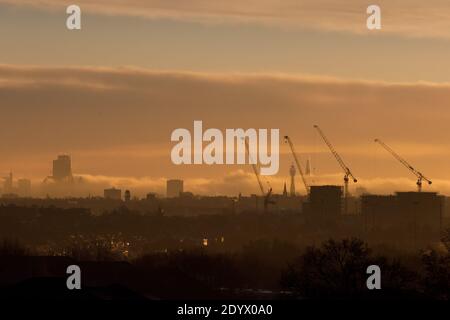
(113, 194)
(62, 168)
(150, 196)
(412, 217)
(325, 205)
(174, 188)
(127, 195)
(285, 190)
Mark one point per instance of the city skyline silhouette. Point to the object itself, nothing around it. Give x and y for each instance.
(98, 201)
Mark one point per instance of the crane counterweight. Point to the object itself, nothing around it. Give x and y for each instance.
(418, 174)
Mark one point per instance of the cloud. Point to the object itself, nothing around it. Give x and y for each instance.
(232, 183)
(414, 18)
(117, 122)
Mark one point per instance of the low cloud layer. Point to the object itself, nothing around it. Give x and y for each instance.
(232, 184)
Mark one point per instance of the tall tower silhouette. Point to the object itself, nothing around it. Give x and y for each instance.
(308, 167)
(285, 190)
(292, 173)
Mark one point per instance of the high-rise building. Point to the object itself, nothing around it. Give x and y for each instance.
(127, 195)
(24, 187)
(412, 217)
(112, 194)
(174, 188)
(326, 202)
(292, 173)
(62, 168)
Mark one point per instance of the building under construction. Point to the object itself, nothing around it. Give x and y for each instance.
(324, 207)
(411, 219)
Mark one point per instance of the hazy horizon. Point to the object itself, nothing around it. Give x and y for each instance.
(111, 94)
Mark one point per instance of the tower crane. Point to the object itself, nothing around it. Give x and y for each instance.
(347, 172)
(297, 162)
(418, 174)
(267, 195)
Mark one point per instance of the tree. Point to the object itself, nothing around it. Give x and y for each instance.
(436, 279)
(10, 248)
(338, 270)
(335, 269)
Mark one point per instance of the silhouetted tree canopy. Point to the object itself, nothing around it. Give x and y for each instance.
(337, 269)
(12, 247)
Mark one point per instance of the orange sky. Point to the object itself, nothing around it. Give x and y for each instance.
(216, 62)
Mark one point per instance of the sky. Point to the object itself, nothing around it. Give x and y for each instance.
(111, 93)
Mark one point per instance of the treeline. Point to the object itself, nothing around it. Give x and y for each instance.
(39, 226)
(334, 270)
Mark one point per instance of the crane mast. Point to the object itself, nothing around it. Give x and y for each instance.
(347, 172)
(418, 174)
(255, 169)
(297, 162)
(267, 195)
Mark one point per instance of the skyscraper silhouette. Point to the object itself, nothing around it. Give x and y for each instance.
(62, 168)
